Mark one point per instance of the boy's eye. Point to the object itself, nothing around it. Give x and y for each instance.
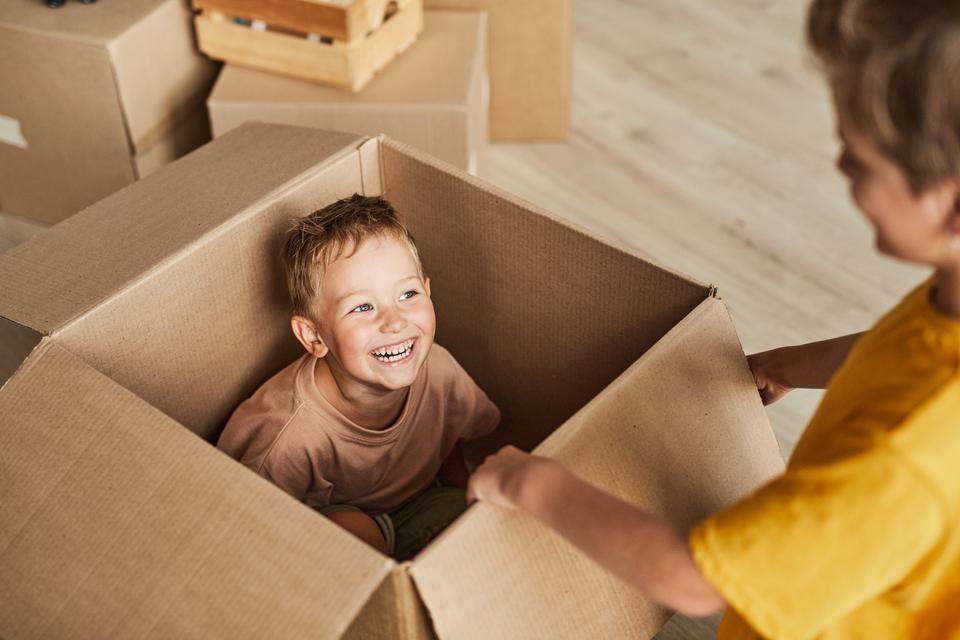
(408, 294)
(360, 308)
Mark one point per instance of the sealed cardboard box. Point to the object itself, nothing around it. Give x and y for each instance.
(120, 519)
(94, 97)
(434, 97)
(530, 44)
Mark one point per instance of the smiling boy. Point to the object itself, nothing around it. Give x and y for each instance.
(364, 424)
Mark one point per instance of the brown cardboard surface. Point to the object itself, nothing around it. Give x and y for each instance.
(89, 86)
(85, 260)
(77, 150)
(393, 612)
(92, 24)
(500, 270)
(681, 433)
(431, 98)
(164, 307)
(190, 133)
(530, 57)
(160, 75)
(119, 523)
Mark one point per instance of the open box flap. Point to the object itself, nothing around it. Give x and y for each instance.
(542, 313)
(72, 267)
(120, 523)
(681, 433)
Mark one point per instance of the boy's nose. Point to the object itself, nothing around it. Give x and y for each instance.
(393, 321)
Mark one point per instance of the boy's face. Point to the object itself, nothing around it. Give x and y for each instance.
(375, 316)
(921, 227)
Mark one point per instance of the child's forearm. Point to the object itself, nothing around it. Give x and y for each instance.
(641, 548)
(811, 365)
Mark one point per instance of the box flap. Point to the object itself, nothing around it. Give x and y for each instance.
(681, 433)
(120, 523)
(501, 268)
(74, 266)
(96, 23)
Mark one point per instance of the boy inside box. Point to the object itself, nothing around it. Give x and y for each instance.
(366, 426)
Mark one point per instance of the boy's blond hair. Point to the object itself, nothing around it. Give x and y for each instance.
(316, 240)
(895, 67)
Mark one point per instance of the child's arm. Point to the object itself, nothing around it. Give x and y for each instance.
(641, 548)
(804, 366)
(453, 472)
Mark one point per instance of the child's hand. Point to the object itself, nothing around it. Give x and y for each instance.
(503, 476)
(769, 372)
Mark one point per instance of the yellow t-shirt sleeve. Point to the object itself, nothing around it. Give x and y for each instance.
(817, 542)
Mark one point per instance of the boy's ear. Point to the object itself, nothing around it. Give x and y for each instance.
(426, 284)
(306, 332)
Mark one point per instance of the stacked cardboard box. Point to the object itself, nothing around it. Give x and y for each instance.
(94, 97)
(531, 46)
(160, 308)
(433, 97)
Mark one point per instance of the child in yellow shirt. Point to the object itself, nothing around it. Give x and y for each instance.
(860, 538)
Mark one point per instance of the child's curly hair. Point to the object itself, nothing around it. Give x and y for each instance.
(894, 66)
(316, 240)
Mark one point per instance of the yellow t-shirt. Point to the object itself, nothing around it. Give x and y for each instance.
(860, 537)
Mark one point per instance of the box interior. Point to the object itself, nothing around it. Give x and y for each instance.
(183, 314)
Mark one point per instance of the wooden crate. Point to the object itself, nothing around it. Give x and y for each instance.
(338, 42)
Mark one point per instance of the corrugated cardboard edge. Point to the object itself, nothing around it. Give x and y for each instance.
(394, 611)
(84, 571)
(241, 217)
(250, 210)
(764, 453)
(479, 183)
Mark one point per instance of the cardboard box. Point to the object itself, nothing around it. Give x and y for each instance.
(530, 46)
(93, 97)
(120, 519)
(434, 97)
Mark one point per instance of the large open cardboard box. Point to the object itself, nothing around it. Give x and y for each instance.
(433, 97)
(94, 97)
(161, 307)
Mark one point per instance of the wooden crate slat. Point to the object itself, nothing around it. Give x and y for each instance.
(347, 65)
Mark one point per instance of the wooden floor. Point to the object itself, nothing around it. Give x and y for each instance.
(703, 138)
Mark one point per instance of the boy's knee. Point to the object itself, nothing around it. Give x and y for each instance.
(361, 525)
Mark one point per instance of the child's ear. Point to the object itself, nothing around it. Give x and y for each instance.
(426, 285)
(306, 332)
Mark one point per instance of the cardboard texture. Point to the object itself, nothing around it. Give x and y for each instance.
(91, 92)
(123, 522)
(433, 98)
(531, 45)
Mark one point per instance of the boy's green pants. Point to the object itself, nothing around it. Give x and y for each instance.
(411, 526)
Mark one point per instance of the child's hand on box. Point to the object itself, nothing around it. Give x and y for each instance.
(503, 477)
(771, 372)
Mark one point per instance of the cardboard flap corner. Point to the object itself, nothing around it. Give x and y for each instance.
(118, 519)
(69, 268)
(681, 433)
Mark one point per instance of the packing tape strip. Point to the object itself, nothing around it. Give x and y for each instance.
(10, 132)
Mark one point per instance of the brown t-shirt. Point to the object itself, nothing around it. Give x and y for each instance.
(291, 435)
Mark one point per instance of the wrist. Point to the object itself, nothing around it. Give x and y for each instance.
(539, 482)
